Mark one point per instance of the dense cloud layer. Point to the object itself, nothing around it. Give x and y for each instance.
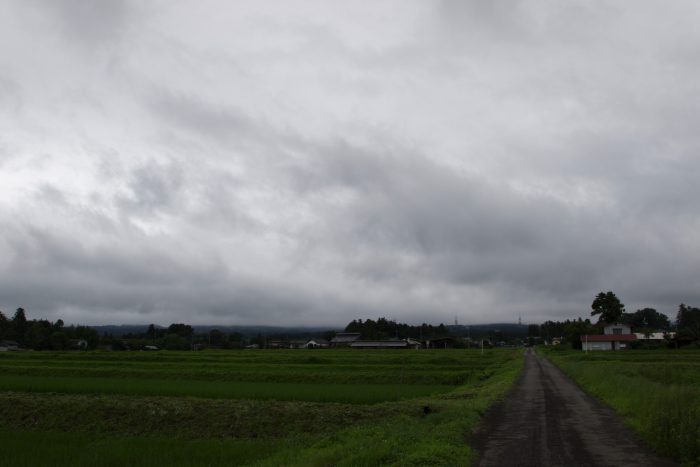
(315, 162)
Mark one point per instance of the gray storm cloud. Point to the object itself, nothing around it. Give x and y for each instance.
(316, 162)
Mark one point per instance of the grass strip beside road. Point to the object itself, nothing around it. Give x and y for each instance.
(666, 414)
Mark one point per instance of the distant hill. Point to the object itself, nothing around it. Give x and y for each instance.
(121, 329)
(473, 330)
(282, 331)
(248, 331)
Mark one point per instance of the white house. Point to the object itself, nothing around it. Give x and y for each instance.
(8, 345)
(316, 344)
(615, 336)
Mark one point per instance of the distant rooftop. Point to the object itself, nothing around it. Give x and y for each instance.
(345, 337)
(379, 344)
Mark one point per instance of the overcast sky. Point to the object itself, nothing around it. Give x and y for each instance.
(312, 162)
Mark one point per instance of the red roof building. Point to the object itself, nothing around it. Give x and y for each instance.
(615, 337)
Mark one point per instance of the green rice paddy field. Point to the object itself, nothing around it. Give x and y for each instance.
(656, 391)
(264, 407)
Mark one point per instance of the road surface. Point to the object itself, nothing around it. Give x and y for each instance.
(547, 420)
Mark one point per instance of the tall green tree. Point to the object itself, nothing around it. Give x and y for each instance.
(19, 325)
(183, 330)
(533, 330)
(38, 335)
(216, 338)
(4, 326)
(647, 318)
(573, 330)
(688, 322)
(608, 308)
(550, 329)
(58, 340)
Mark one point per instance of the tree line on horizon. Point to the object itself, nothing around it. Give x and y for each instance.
(383, 328)
(42, 334)
(178, 336)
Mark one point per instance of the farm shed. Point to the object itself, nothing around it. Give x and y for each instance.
(379, 345)
(344, 339)
(298, 344)
(439, 343)
(414, 343)
(615, 336)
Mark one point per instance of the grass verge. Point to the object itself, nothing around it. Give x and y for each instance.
(666, 414)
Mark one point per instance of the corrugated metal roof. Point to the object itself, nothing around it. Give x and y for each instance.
(345, 337)
(379, 344)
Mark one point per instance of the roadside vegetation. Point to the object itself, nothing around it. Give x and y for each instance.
(656, 391)
(259, 407)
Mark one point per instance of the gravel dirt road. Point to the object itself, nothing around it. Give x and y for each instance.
(547, 420)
